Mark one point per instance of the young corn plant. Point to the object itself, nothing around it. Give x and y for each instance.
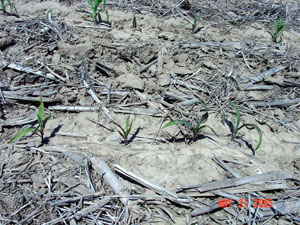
(195, 127)
(125, 132)
(194, 24)
(12, 6)
(279, 28)
(96, 10)
(42, 119)
(234, 126)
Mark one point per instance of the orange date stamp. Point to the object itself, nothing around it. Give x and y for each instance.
(243, 203)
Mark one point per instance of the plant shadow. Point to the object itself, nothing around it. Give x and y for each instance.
(189, 140)
(53, 134)
(240, 140)
(229, 124)
(131, 139)
(248, 145)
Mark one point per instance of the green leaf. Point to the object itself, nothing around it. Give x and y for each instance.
(195, 20)
(2, 4)
(104, 7)
(130, 126)
(280, 22)
(107, 15)
(203, 104)
(174, 122)
(91, 3)
(238, 116)
(41, 113)
(97, 3)
(127, 124)
(45, 120)
(258, 131)
(22, 133)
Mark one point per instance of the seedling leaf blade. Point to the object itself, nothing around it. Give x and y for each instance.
(90, 3)
(238, 115)
(22, 133)
(127, 123)
(174, 122)
(259, 134)
(46, 119)
(129, 126)
(41, 113)
(203, 104)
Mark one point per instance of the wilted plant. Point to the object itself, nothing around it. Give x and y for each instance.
(195, 127)
(234, 126)
(279, 28)
(94, 4)
(40, 129)
(125, 132)
(12, 6)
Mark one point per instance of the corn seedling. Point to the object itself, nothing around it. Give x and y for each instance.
(195, 127)
(194, 24)
(234, 126)
(279, 28)
(125, 132)
(42, 119)
(12, 6)
(94, 4)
